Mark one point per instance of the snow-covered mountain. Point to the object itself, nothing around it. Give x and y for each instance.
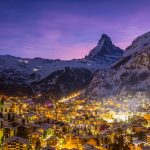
(138, 44)
(24, 75)
(130, 73)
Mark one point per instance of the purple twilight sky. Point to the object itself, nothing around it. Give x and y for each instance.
(67, 29)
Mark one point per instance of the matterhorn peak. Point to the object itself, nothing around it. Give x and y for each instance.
(105, 39)
(105, 49)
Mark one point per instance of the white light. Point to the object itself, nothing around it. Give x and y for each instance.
(26, 62)
(35, 69)
(121, 117)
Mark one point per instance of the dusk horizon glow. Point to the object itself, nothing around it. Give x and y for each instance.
(64, 29)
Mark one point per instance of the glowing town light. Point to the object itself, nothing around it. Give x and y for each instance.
(121, 117)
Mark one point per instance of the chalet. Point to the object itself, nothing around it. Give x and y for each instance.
(16, 143)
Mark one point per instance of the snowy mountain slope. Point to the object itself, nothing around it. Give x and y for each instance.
(64, 81)
(130, 73)
(38, 74)
(138, 44)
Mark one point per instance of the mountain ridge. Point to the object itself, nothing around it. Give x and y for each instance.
(46, 75)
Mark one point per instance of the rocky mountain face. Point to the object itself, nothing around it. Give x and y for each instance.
(23, 76)
(106, 51)
(130, 73)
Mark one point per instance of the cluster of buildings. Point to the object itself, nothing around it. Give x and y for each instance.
(72, 123)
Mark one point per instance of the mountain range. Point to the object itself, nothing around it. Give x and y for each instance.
(131, 73)
(106, 70)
